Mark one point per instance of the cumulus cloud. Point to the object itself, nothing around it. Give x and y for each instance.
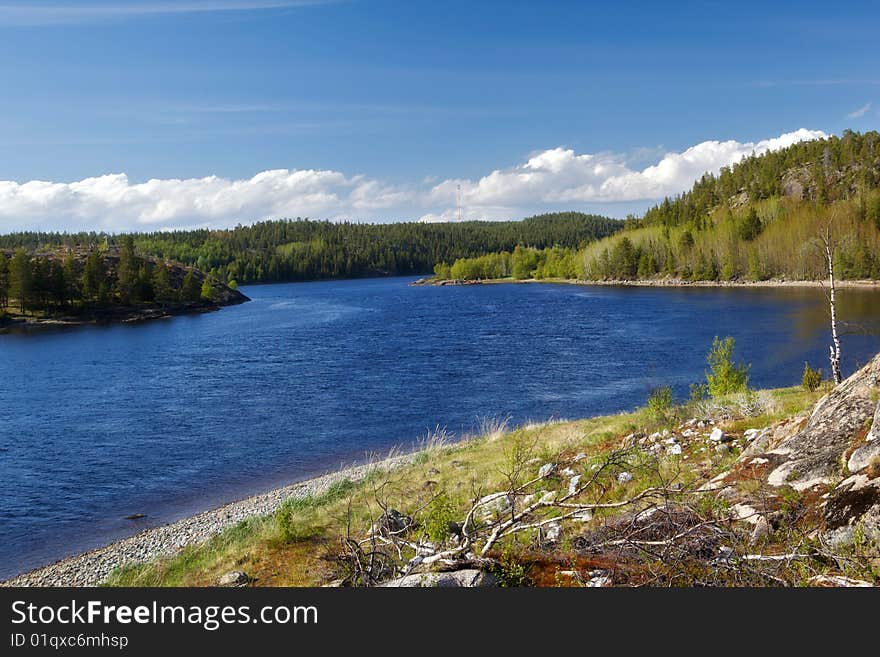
(554, 178)
(859, 113)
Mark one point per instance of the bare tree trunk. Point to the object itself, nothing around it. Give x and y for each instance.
(834, 349)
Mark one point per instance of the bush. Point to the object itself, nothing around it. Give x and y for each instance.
(812, 378)
(725, 376)
(660, 403)
(442, 271)
(441, 515)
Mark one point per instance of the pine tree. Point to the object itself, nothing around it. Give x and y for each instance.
(21, 278)
(127, 272)
(189, 290)
(162, 290)
(4, 280)
(94, 277)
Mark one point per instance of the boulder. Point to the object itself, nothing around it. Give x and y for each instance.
(468, 578)
(624, 478)
(718, 436)
(814, 454)
(869, 451)
(233, 578)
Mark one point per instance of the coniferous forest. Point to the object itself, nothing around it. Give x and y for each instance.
(301, 250)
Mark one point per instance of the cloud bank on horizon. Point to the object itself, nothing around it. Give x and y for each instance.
(552, 179)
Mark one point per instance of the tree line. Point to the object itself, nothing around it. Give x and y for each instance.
(298, 250)
(75, 278)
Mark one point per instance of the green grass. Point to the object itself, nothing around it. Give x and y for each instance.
(292, 546)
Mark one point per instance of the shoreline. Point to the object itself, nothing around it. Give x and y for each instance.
(91, 568)
(17, 324)
(662, 282)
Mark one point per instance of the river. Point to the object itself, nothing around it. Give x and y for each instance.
(175, 416)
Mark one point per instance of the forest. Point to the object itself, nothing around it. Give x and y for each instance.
(757, 220)
(74, 279)
(301, 249)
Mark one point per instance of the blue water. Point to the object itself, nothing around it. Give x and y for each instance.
(172, 417)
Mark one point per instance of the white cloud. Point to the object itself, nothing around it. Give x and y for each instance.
(561, 176)
(551, 179)
(859, 113)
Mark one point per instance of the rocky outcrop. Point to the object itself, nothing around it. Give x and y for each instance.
(836, 453)
(467, 578)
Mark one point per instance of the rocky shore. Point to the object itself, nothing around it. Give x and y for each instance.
(657, 282)
(92, 568)
(116, 315)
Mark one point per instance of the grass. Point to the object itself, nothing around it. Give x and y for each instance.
(294, 546)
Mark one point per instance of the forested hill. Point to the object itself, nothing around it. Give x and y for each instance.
(822, 171)
(760, 219)
(297, 250)
(757, 220)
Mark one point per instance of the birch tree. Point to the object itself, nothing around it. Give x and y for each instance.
(828, 245)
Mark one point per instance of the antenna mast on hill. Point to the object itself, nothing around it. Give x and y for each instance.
(458, 200)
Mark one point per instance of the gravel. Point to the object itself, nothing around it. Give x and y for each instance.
(92, 568)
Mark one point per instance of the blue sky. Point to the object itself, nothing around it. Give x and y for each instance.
(394, 104)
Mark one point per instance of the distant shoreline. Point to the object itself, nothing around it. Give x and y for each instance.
(663, 282)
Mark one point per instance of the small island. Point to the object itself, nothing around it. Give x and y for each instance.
(99, 284)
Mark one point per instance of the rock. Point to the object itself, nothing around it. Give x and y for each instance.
(624, 478)
(568, 472)
(136, 516)
(579, 457)
(494, 503)
(869, 452)
(233, 578)
(864, 456)
(546, 470)
(468, 578)
(813, 455)
(598, 579)
(722, 449)
(718, 436)
(674, 450)
(725, 554)
(874, 433)
(727, 493)
(552, 532)
(573, 484)
(854, 502)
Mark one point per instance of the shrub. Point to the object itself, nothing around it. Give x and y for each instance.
(725, 376)
(441, 515)
(510, 571)
(660, 403)
(812, 378)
